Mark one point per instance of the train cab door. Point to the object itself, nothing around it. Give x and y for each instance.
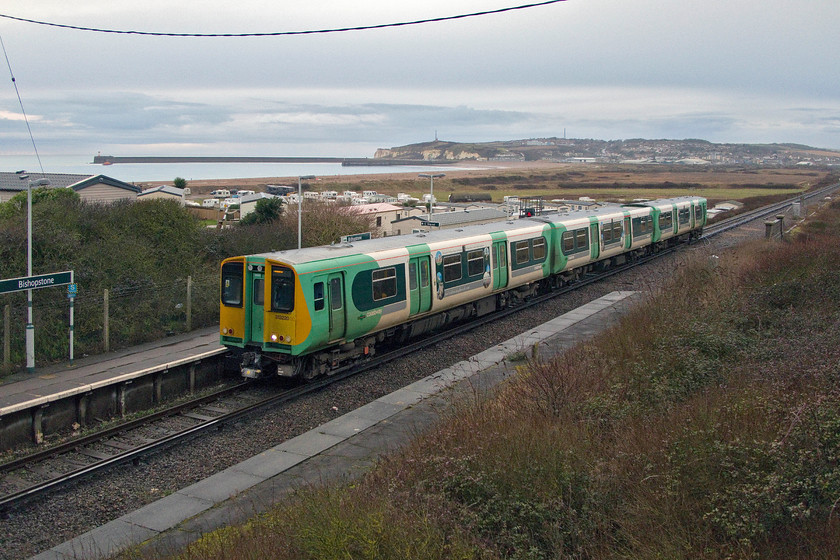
(335, 295)
(595, 240)
(257, 306)
(500, 265)
(419, 285)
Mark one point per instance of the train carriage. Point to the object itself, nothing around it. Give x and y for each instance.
(306, 312)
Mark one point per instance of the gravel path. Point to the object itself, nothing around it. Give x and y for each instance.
(47, 522)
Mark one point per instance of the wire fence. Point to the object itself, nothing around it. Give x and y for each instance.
(116, 318)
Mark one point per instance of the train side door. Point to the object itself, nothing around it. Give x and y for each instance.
(419, 285)
(500, 266)
(335, 296)
(628, 236)
(257, 306)
(595, 240)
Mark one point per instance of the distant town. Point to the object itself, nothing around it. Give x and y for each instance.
(633, 151)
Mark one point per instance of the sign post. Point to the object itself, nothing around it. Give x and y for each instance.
(30, 283)
(72, 291)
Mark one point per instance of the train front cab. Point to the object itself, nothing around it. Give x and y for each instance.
(261, 312)
(232, 323)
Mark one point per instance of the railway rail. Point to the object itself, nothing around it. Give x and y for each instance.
(48, 470)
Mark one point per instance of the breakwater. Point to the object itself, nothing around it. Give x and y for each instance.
(347, 162)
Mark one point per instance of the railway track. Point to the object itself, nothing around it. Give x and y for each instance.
(36, 474)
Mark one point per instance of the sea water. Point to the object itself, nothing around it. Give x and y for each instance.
(166, 172)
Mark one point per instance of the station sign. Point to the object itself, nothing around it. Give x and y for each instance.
(429, 224)
(35, 282)
(355, 237)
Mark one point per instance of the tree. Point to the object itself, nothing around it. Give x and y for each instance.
(180, 182)
(266, 211)
(325, 223)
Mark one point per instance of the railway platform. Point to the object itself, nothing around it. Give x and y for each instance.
(341, 449)
(51, 384)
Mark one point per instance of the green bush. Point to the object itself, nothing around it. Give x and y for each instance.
(142, 253)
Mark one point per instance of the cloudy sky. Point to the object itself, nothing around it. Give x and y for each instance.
(722, 70)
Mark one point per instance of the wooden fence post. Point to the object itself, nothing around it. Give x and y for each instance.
(105, 330)
(7, 336)
(189, 303)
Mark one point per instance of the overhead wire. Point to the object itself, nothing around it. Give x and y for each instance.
(22, 110)
(286, 33)
(254, 34)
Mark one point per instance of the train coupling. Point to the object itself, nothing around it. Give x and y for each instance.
(251, 366)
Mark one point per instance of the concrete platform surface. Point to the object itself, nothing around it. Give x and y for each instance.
(345, 447)
(58, 381)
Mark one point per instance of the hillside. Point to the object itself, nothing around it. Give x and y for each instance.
(615, 151)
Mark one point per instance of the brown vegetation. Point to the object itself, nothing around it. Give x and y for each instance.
(560, 180)
(706, 425)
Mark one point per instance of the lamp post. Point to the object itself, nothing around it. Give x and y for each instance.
(30, 326)
(300, 206)
(431, 178)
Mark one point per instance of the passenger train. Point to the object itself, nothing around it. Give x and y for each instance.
(306, 312)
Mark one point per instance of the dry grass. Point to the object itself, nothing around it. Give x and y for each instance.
(560, 180)
(706, 425)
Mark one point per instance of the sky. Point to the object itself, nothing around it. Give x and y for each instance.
(737, 71)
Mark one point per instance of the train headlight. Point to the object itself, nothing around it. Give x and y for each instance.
(224, 330)
(274, 337)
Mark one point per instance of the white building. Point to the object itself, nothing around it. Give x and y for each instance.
(385, 216)
(164, 192)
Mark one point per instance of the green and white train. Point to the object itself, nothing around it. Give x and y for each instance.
(307, 312)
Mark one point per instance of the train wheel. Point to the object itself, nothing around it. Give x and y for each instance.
(306, 369)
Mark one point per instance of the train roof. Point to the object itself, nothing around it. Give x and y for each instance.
(324, 252)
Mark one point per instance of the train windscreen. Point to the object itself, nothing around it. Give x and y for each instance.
(232, 282)
(282, 289)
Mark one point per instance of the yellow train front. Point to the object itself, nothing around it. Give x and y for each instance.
(302, 313)
(262, 313)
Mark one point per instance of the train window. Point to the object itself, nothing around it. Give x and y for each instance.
(335, 293)
(318, 296)
(641, 226)
(502, 257)
(232, 278)
(522, 255)
(424, 274)
(451, 268)
(412, 276)
(282, 289)
(606, 233)
(384, 283)
(538, 246)
(568, 242)
(581, 239)
(475, 263)
(698, 213)
(666, 221)
(684, 216)
(259, 291)
(617, 231)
